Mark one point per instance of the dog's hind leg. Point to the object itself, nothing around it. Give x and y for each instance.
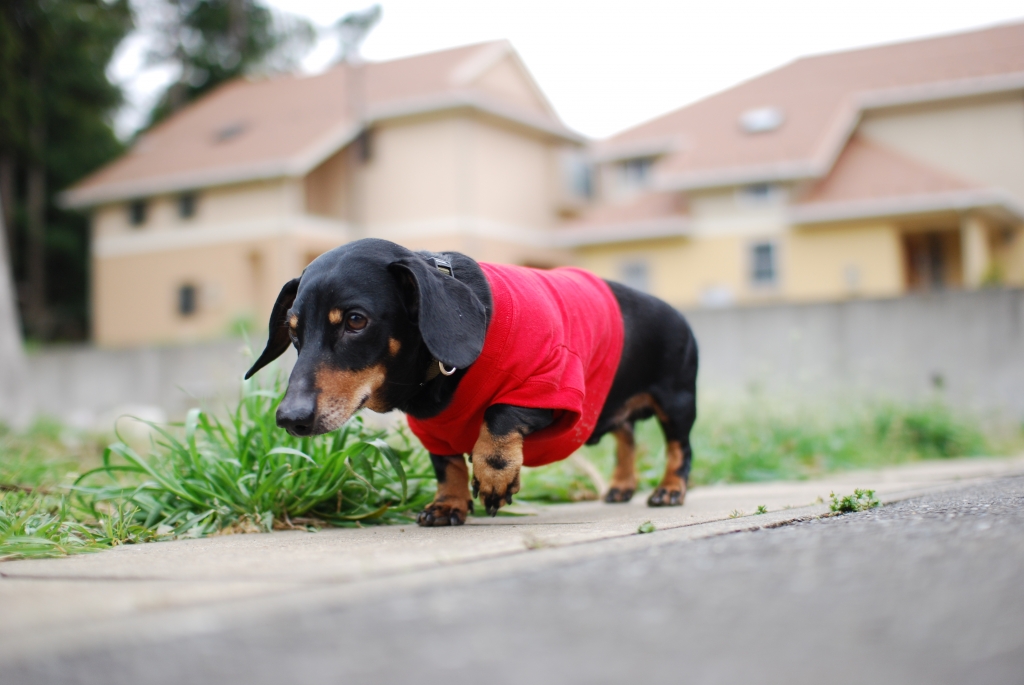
(677, 424)
(623, 483)
(452, 501)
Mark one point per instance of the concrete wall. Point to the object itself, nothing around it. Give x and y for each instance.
(89, 388)
(970, 343)
(966, 346)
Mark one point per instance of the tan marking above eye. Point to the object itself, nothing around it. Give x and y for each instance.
(334, 316)
(394, 346)
(293, 321)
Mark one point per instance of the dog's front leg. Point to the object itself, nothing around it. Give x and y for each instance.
(452, 501)
(498, 453)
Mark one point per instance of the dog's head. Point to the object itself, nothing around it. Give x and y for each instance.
(367, 319)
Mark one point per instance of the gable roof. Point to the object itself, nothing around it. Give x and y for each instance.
(285, 126)
(871, 180)
(820, 99)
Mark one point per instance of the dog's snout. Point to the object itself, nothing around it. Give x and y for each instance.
(297, 413)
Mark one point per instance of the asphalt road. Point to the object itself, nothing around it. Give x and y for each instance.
(929, 590)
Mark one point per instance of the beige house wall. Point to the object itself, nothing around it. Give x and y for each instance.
(680, 270)
(980, 139)
(730, 211)
(506, 80)
(824, 263)
(837, 262)
(235, 203)
(135, 294)
(432, 179)
(327, 189)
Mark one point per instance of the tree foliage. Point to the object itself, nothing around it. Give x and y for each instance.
(55, 108)
(213, 41)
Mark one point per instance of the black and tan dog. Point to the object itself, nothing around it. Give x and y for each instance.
(379, 326)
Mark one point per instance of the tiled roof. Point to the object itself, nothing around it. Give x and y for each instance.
(645, 215)
(867, 170)
(819, 98)
(285, 125)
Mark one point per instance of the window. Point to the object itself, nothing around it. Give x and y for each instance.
(763, 266)
(187, 300)
(137, 212)
(636, 275)
(226, 133)
(636, 173)
(187, 205)
(761, 119)
(364, 145)
(577, 175)
(755, 194)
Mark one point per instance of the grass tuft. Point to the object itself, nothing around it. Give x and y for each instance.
(205, 476)
(860, 500)
(244, 473)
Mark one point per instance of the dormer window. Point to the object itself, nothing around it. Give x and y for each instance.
(636, 173)
(761, 119)
(137, 212)
(228, 132)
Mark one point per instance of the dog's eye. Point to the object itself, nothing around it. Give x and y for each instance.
(355, 322)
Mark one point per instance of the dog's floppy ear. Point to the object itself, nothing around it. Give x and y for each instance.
(278, 339)
(451, 318)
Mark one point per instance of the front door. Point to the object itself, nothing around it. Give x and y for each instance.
(932, 260)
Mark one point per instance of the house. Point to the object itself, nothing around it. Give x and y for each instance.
(197, 226)
(866, 173)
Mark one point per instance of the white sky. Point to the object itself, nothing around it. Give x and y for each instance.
(607, 65)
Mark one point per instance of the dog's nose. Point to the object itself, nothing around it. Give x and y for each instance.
(297, 413)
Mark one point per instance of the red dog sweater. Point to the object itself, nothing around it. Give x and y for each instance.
(553, 342)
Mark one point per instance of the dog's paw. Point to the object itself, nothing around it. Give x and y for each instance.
(617, 494)
(666, 497)
(494, 482)
(444, 513)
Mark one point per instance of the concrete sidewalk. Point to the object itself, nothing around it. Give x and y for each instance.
(197, 586)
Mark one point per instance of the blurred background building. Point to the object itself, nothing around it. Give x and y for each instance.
(200, 223)
(849, 224)
(869, 173)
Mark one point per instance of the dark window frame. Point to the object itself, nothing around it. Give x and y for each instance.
(137, 212)
(187, 205)
(764, 264)
(188, 300)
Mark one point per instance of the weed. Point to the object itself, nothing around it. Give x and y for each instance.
(205, 476)
(735, 514)
(860, 500)
(761, 509)
(245, 472)
(646, 527)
